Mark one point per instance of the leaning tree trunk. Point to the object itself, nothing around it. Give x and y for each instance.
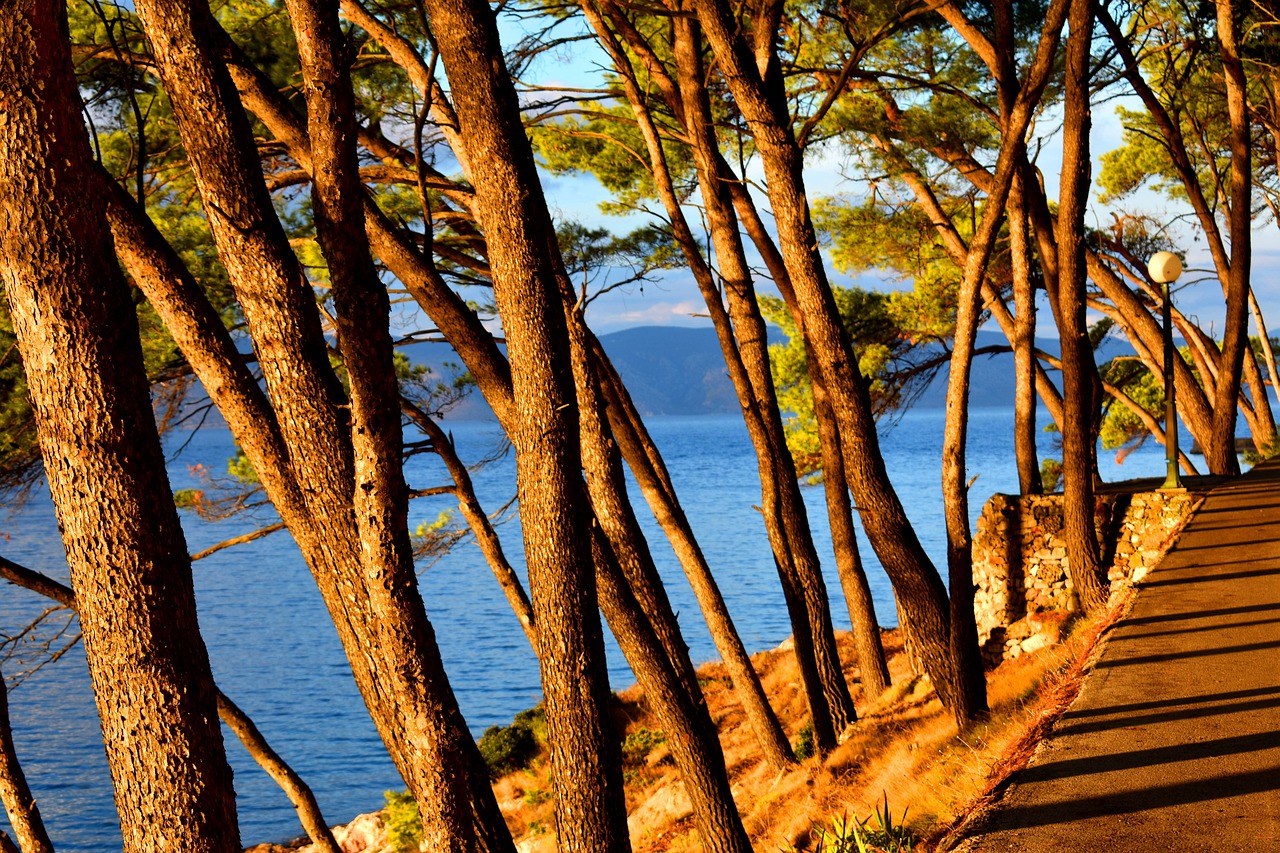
(916, 581)
(360, 568)
(738, 335)
(1024, 343)
(853, 579)
(1077, 461)
(78, 336)
(586, 771)
(642, 457)
(872, 666)
(19, 804)
(1220, 454)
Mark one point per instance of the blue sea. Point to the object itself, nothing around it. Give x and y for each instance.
(275, 653)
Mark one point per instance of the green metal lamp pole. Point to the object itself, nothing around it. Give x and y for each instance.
(1165, 267)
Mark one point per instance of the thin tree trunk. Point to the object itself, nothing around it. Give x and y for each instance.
(794, 554)
(303, 799)
(78, 336)
(1268, 357)
(915, 579)
(19, 804)
(1077, 468)
(872, 665)
(1220, 453)
(1024, 344)
(298, 792)
(481, 528)
(651, 475)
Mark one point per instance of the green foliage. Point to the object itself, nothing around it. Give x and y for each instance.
(241, 469)
(804, 746)
(537, 796)
(637, 745)
(885, 352)
(864, 836)
(404, 825)
(605, 141)
(509, 748)
(1050, 475)
(598, 260)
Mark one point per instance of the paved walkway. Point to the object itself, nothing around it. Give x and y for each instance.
(1173, 745)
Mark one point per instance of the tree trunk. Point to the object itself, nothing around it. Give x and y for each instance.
(1220, 453)
(19, 804)
(1077, 435)
(371, 594)
(586, 771)
(302, 797)
(1268, 358)
(299, 793)
(1024, 343)
(746, 342)
(651, 475)
(481, 528)
(915, 579)
(78, 336)
(787, 528)
(872, 665)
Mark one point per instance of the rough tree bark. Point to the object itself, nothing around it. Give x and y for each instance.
(586, 770)
(1024, 343)
(1220, 453)
(78, 336)
(304, 436)
(853, 578)
(667, 660)
(1077, 390)
(299, 793)
(740, 331)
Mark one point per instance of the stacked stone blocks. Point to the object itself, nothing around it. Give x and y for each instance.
(1020, 565)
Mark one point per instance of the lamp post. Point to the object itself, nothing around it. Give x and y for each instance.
(1164, 268)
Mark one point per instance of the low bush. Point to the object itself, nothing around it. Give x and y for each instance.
(510, 748)
(404, 825)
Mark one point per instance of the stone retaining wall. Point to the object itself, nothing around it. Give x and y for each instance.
(1020, 559)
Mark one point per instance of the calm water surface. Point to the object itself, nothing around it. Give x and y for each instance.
(275, 652)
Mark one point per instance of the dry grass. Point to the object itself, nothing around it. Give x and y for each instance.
(904, 749)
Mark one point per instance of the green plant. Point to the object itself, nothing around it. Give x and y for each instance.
(507, 748)
(639, 744)
(803, 746)
(1050, 475)
(860, 836)
(404, 825)
(536, 796)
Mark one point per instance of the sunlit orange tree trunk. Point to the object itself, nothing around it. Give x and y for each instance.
(78, 336)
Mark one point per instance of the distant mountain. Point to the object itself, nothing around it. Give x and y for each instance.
(672, 370)
(677, 370)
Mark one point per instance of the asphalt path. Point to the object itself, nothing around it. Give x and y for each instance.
(1174, 741)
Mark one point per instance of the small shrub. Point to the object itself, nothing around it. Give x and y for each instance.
(861, 836)
(639, 744)
(404, 825)
(535, 720)
(803, 746)
(507, 748)
(536, 796)
(1050, 475)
